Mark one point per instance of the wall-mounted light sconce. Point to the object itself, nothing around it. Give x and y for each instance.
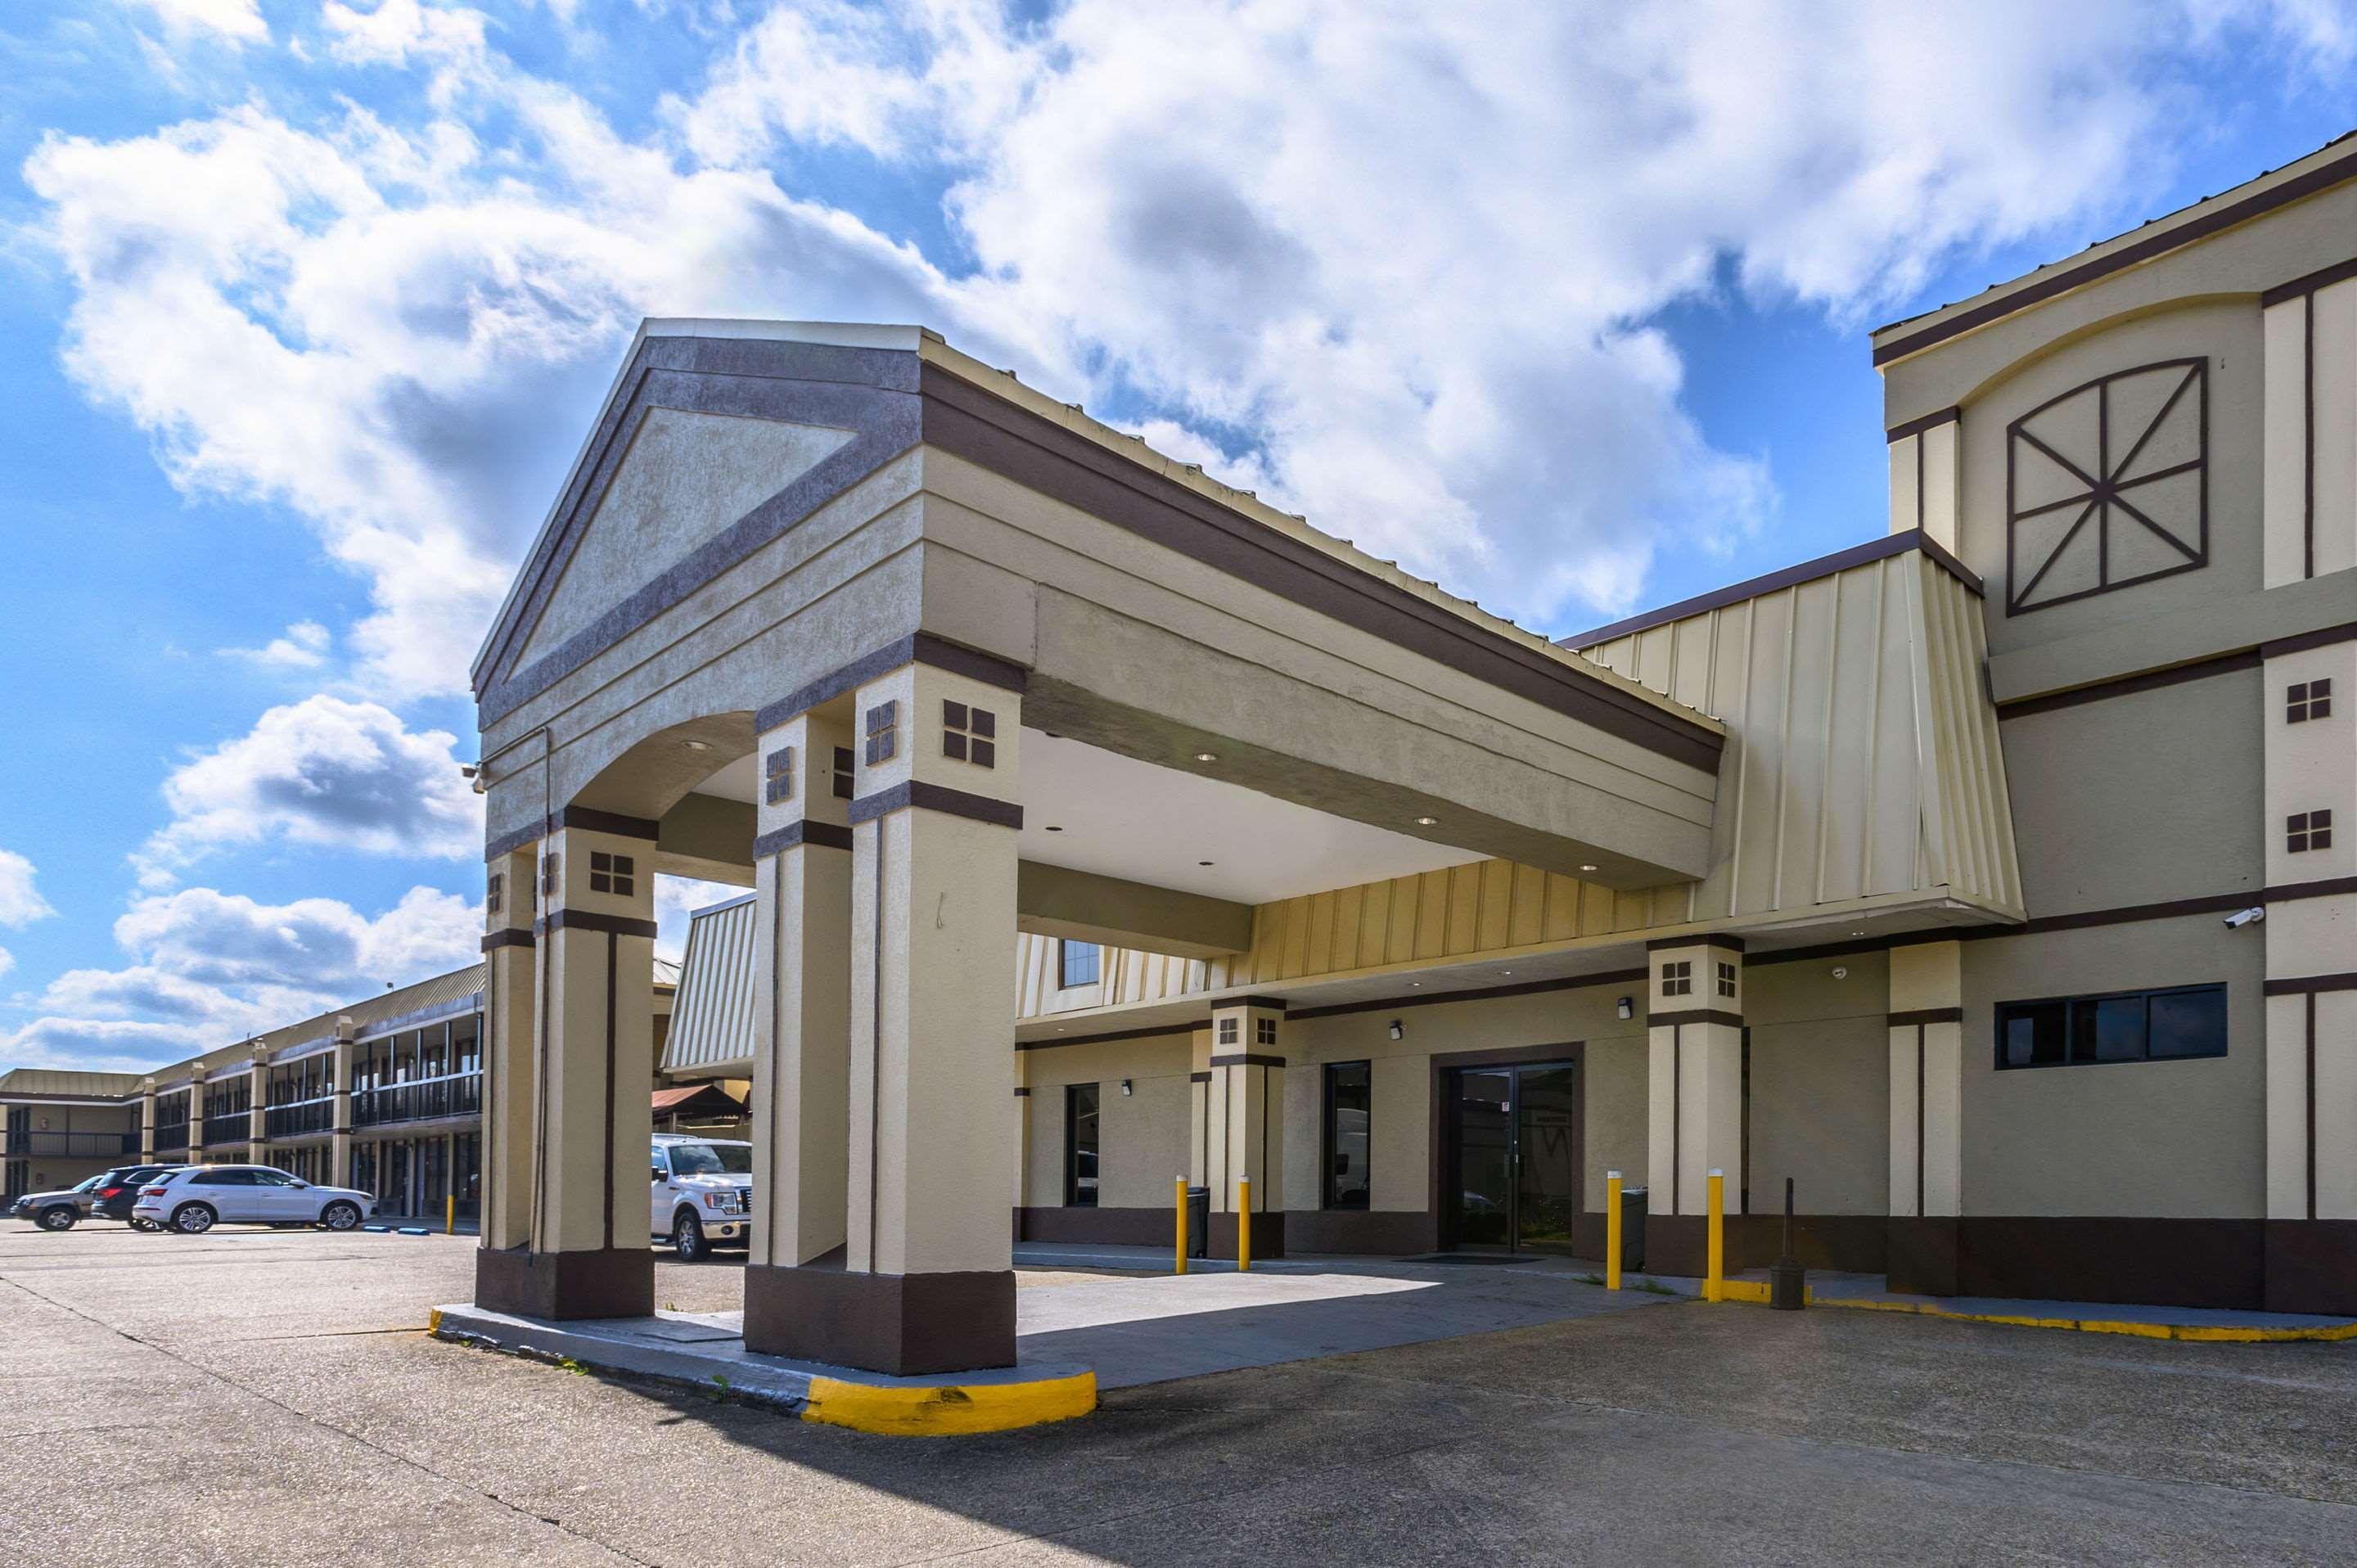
(1124, 1085)
(1624, 1009)
(1397, 1032)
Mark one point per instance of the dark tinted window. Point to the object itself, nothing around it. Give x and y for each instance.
(226, 1178)
(1347, 1109)
(712, 1159)
(2124, 1027)
(1081, 1144)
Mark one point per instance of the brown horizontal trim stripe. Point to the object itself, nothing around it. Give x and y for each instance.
(1198, 1077)
(590, 920)
(825, 835)
(2322, 178)
(2309, 984)
(1873, 550)
(1247, 1058)
(514, 938)
(2326, 887)
(1022, 1093)
(916, 792)
(1899, 433)
(2323, 637)
(1163, 1032)
(1276, 1004)
(1714, 940)
(1695, 1016)
(2129, 685)
(592, 821)
(974, 424)
(918, 648)
(2323, 277)
(1480, 993)
(514, 839)
(1927, 1015)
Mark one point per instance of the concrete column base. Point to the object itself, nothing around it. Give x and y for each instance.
(902, 1325)
(616, 1282)
(1267, 1235)
(1923, 1255)
(2311, 1265)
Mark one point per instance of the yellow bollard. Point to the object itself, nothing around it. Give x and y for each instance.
(1714, 1288)
(1182, 1226)
(1611, 1230)
(450, 1216)
(1243, 1223)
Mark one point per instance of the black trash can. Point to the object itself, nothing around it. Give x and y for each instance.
(1633, 1229)
(1198, 1222)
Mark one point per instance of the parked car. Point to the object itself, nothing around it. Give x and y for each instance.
(118, 1189)
(195, 1198)
(703, 1192)
(61, 1210)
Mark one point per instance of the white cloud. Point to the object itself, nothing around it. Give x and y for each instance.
(1396, 263)
(236, 22)
(21, 903)
(304, 647)
(208, 967)
(677, 897)
(325, 772)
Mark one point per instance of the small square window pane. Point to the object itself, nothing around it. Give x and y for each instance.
(2189, 1023)
(986, 755)
(953, 746)
(2031, 1035)
(984, 721)
(954, 714)
(2107, 1029)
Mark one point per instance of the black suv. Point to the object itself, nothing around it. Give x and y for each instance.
(118, 1189)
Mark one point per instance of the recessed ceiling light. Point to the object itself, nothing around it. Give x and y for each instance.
(1415, 982)
(1207, 756)
(1428, 822)
(1590, 868)
(699, 746)
(1505, 971)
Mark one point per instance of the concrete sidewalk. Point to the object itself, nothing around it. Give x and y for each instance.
(1128, 1331)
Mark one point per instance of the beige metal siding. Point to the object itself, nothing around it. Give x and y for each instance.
(712, 1019)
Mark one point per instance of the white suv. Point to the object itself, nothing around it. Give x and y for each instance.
(703, 1191)
(193, 1202)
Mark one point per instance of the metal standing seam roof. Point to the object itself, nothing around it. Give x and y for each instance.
(712, 1018)
(30, 1082)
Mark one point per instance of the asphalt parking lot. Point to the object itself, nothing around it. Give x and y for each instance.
(252, 1396)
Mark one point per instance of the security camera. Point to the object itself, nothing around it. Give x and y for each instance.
(2250, 916)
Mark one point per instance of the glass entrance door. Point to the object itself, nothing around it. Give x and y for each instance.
(1514, 1151)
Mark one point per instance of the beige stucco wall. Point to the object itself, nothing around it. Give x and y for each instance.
(2168, 1139)
(1142, 1137)
(2140, 798)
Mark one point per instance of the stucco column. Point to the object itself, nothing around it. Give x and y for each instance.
(1695, 1106)
(802, 1010)
(1199, 1107)
(2311, 991)
(197, 1155)
(1246, 1117)
(147, 1122)
(257, 1107)
(586, 1255)
(1926, 475)
(1927, 1111)
(927, 1283)
(510, 980)
(340, 1107)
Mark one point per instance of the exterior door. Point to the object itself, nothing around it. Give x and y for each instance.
(1513, 1152)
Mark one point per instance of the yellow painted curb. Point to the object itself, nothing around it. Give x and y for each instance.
(1755, 1292)
(433, 1320)
(2219, 1333)
(949, 1410)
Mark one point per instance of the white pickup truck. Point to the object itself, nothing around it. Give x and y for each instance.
(703, 1190)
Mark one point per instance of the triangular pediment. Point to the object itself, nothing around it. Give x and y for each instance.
(684, 478)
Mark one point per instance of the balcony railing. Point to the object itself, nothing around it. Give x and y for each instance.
(305, 1116)
(459, 1094)
(98, 1145)
(230, 1127)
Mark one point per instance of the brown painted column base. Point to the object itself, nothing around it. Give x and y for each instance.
(620, 1282)
(2312, 1266)
(901, 1325)
(1267, 1235)
(1923, 1255)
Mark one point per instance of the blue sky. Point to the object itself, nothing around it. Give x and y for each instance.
(307, 305)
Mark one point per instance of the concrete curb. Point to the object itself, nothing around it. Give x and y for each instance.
(2209, 1333)
(1000, 1401)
